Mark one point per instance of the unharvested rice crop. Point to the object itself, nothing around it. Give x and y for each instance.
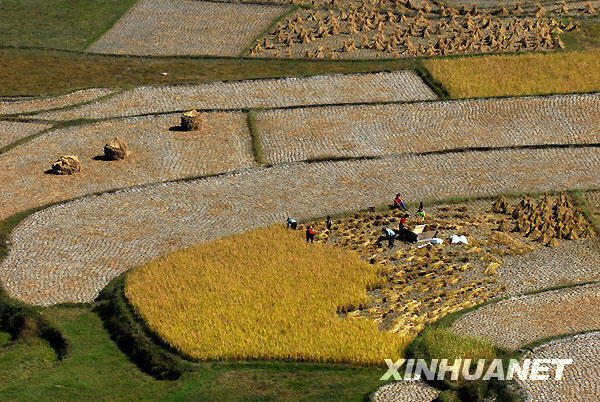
(186, 27)
(27, 105)
(157, 154)
(11, 131)
(372, 130)
(525, 74)
(265, 294)
(70, 252)
(325, 89)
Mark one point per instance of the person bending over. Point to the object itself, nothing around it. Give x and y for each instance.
(390, 236)
(310, 234)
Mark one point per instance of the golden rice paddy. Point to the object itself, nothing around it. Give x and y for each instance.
(264, 294)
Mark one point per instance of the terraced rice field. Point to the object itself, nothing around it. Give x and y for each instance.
(157, 154)
(580, 380)
(263, 294)
(186, 27)
(593, 198)
(11, 131)
(70, 252)
(420, 286)
(518, 321)
(28, 105)
(327, 89)
(366, 130)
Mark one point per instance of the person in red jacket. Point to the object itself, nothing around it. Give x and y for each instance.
(402, 224)
(310, 234)
(399, 203)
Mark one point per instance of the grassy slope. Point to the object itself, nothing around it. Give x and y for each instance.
(97, 368)
(62, 24)
(20, 361)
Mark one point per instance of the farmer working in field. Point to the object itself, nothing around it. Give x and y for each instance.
(291, 223)
(328, 223)
(310, 234)
(402, 224)
(420, 214)
(390, 236)
(399, 203)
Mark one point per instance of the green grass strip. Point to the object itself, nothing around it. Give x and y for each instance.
(257, 150)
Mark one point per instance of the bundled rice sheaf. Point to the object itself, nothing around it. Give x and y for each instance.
(66, 165)
(191, 121)
(547, 220)
(116, 149)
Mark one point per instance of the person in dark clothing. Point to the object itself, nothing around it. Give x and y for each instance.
(328, 223)
(310, 234)
(399, 203)
(291, 223)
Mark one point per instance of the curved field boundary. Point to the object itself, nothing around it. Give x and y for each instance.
(401, 86)
(354, 131)
(71, 251)
(11, 106)
(580, 381)
(157, 155)
(518, 321)
(13, 131)
(183, 27)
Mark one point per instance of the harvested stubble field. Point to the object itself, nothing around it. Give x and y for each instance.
(70, 252)
(519, 321)
(420, 286)
(404, 29)
(186, 27)
(157, 154)
(522, 74)
(581, 380)
(593, 198)
(367, 130)
(27, 105)
(264, 294)
(11, 131)
(324, 89)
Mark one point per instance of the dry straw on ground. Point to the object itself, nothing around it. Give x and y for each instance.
(45, 267)
(368, 130)
(323, 89)
(185, 27)
(405, 29)
(27, 105)
(580, 381)
(11, 131)
(522, 320)
(157, 154)
(265, 294)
